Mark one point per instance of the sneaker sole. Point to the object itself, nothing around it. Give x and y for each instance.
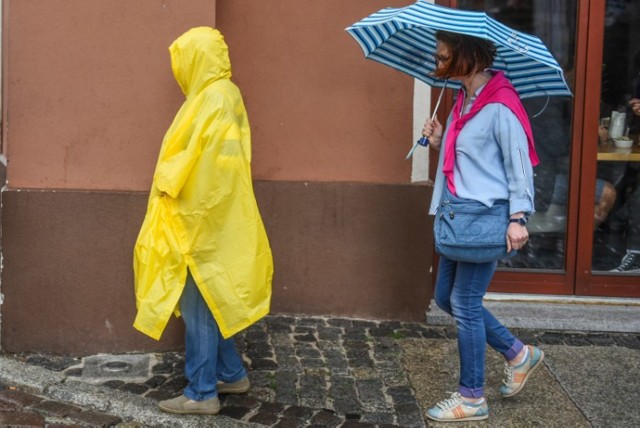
(233, 390)
(188, 412)
(468, 418)
(529, 373)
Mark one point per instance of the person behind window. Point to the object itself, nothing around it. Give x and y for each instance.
(630, 211)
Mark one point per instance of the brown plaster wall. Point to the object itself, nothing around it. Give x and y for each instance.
(89, 90)
(340, 249)
(319, 110)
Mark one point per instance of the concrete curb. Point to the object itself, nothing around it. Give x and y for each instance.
(55, 386)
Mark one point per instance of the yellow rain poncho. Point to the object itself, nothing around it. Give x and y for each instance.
(202, 213)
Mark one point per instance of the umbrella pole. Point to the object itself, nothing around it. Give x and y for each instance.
(424, 141)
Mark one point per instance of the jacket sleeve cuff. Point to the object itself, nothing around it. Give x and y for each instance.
(520, 205)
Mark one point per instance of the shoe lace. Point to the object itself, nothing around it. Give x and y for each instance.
(509, 371)
(451, 402)
(627, 261)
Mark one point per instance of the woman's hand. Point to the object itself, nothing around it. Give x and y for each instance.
(432, 129)
(517, 236)
(603, 134)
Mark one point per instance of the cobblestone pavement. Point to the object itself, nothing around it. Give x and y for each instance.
(324, 372)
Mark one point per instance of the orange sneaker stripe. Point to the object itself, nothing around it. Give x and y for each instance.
(458, 412)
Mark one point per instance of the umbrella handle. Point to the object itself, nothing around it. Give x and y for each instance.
(423, 141)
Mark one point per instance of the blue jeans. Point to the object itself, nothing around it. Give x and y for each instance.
(460, 288)
(208, 356)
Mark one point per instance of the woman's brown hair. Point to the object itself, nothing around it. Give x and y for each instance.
(468, 54)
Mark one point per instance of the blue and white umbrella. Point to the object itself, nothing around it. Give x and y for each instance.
(404, 38)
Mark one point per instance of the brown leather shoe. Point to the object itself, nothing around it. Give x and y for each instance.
(238, 387)
(185, 406)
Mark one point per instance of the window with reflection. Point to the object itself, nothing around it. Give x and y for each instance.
(616, 238)
(554, 22)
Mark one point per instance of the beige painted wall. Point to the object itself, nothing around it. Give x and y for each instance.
(89, 89)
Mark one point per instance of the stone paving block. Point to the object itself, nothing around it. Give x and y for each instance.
(432, 334)
(52, 362)
(381, 331)
(326, 418)
(264, 418)
(304, 330)
(263, 364)
(95, 419)
(409, 415)
(234, 412)
(18, 398)
(256, 336)
(401, 395)
(308, 353)
(354, 335)
(379, 418)
(241, 401)
(331, 334)
(162, 368)
(159, 395)
(114, 384)
(259, 350)
(357, 424)
(340, 322)
(312, 362)
(407, 333)
(345, 398)
(272, 407)
(156, 381)
(174, 385)
(298, 412)
(276, 324)
(315, 322)
(364, 324)
(21, 420)
(306, 337)
(54, 408)
(134, 388)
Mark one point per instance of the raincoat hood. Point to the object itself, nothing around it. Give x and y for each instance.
(198, 58)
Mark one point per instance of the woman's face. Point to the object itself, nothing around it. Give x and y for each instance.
(442, 56)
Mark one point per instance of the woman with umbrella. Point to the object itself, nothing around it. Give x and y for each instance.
(486, 155)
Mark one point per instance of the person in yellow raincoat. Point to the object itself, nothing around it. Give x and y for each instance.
(202, 246)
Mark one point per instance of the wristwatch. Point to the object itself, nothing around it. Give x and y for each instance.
(522, 221)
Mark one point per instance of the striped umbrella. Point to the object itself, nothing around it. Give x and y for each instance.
(404, 38)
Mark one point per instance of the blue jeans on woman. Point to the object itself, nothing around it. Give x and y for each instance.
(460, 288)
(208, 356)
